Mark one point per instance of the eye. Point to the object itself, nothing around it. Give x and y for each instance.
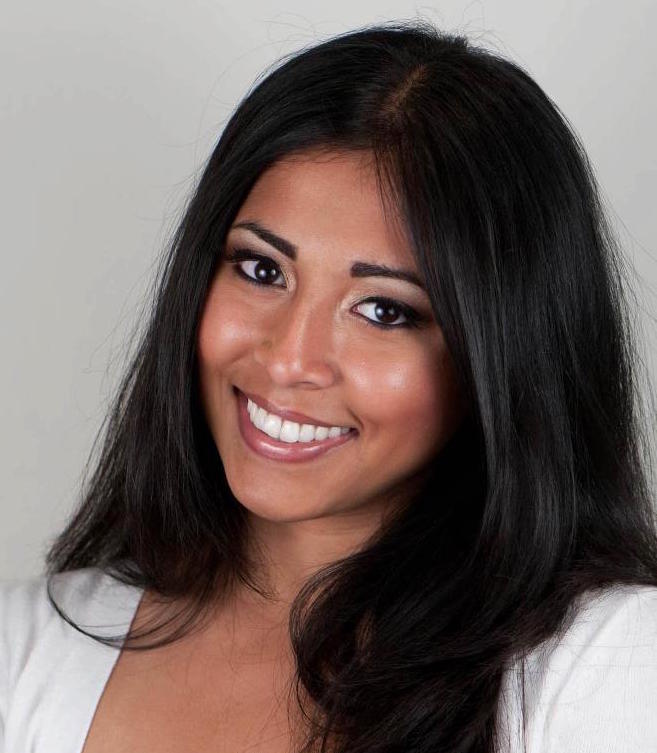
(265, 270)
(387, 307)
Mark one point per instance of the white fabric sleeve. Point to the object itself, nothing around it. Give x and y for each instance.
(601, 682)
(17, 626)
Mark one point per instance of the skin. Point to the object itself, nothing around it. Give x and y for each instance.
(305, 346)
(304, 343)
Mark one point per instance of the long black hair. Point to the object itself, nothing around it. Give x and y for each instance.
(542, 493)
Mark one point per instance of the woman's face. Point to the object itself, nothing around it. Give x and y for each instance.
(304, 337)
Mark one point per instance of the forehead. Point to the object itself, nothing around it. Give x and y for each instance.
(319, 199)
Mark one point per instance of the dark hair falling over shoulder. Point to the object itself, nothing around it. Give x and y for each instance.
(542, 494)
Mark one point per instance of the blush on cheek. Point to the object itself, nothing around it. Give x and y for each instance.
(224, 337)
(426, 399)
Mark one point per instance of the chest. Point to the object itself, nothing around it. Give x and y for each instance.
(187, 701)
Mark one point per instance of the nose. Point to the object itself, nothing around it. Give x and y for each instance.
(295, 345)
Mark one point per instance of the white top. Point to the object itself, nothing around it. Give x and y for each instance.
(594, 692)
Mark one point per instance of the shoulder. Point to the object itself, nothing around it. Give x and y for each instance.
(594, 688)
(615, 629)
(45, 662)
(30, 607)
(26, 614)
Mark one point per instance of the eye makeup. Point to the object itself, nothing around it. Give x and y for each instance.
(413, 319)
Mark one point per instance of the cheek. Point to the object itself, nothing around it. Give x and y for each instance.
(415, 392)
(221, 335)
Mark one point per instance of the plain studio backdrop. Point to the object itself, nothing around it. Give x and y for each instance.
(107, 112)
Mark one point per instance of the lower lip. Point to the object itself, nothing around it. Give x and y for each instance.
(289, 452)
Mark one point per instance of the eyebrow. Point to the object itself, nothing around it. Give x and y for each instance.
(358, 268)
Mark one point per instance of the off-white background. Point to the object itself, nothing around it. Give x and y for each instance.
(107, 111)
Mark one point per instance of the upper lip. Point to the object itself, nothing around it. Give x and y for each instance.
(290, 415)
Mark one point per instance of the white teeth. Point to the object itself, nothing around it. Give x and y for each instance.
(290, 431)
(306, 433)
(272, 425)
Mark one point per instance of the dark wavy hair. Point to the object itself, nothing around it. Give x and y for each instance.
(543, 492)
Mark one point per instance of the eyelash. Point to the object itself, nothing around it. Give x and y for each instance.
(413, 319)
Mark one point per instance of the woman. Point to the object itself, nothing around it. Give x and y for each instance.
(380, 444)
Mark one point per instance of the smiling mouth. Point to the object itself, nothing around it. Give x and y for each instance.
(275, 449)
(289, 415)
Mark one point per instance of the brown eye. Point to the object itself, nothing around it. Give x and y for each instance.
(263, 269)
(388, 310)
